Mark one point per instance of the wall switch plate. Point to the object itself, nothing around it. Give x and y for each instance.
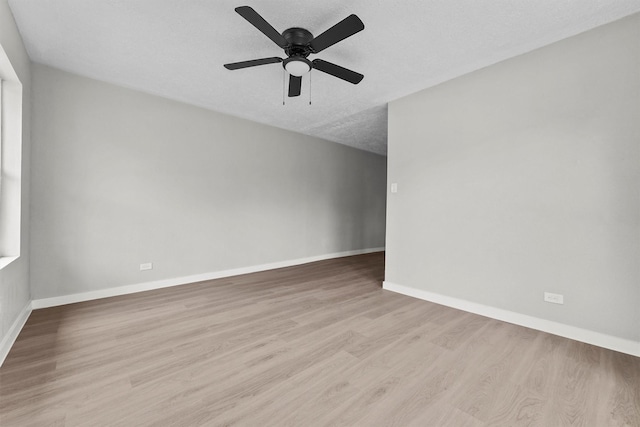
(554, 298)
(146, 266)
(394, 187)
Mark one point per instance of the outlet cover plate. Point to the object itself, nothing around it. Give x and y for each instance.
(554, 298)
(146, 266)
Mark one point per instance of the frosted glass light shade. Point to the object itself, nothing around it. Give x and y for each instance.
(297, 68)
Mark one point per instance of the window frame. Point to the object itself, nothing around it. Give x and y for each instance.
(10, 161)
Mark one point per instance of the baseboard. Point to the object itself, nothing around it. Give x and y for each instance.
(158, 284)
(13, 332)
(584, 335)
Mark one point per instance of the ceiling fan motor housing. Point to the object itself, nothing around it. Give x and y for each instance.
(298, 40)
(297, 50)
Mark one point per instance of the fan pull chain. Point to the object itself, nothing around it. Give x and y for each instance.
(309, 87)
(284, 79)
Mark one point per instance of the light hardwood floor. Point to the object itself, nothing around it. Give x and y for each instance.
(314, 345)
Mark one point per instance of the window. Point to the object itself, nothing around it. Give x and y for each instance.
(10, 160)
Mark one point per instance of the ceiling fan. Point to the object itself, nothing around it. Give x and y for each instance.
(298, 44)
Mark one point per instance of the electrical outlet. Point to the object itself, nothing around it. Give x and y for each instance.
(554, 298)
(394, 187)
(146, 266)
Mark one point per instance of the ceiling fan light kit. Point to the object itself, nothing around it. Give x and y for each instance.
(298, 44)
(297, 65)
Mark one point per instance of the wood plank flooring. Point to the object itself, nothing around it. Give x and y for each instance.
(314, 345)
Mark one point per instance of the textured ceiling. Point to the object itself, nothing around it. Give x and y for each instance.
(176, 49)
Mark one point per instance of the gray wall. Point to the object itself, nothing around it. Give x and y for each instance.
(122, 178)
(523, 178)
(14, 279)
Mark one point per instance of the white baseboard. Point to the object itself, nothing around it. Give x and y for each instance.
(584, 335)
(176, 281)
(13, 332)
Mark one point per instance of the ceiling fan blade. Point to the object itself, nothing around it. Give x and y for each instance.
(258, 21)
(252, 63)
(295, 84)
(337, 71)
(343, 29)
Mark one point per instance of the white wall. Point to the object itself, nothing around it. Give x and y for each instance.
(122, 178)
(14, 278)
(522, 178)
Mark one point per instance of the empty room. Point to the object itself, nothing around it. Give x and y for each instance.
(419, 213)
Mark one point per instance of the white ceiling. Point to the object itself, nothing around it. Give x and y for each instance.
(176, 49)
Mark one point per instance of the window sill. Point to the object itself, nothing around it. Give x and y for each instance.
(6, 260)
